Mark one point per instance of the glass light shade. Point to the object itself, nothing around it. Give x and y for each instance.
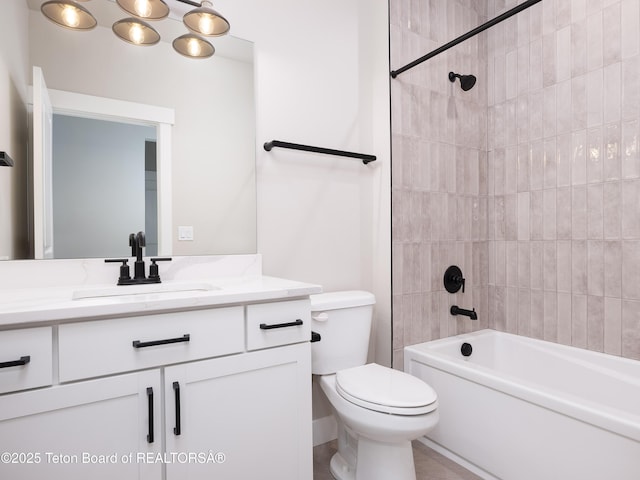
(193, 46)
(68, 14)
(136, 32)
(147, 9)
(206, 21)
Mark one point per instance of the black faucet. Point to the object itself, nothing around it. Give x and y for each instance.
(455, 310)
(137, 242)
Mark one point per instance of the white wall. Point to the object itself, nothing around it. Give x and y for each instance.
(323, 79)
(13, 129)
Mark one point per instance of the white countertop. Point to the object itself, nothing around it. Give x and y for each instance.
(25, 307)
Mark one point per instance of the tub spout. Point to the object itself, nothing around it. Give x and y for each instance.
(455, 310)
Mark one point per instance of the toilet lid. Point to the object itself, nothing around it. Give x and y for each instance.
(385, 390)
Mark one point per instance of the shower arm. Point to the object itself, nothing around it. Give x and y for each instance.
(466, 36)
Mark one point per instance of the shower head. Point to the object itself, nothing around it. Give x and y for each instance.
(466, 81)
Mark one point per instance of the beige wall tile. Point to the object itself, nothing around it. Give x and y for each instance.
(530, 181)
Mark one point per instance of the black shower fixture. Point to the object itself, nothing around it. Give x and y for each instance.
(466, 81)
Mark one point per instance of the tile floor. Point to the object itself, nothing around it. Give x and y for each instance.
(429, 464)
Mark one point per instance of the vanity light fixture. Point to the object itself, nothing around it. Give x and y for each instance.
(136, 32)
(193, 46)
(68, 14)
(204, 20)
(146, 9)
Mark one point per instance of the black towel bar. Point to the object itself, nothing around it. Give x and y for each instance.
(329, 151)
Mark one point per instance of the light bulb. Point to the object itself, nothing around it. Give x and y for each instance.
(136, 34)
(143, 8)
(70, 16)
(194, 48)
(206, 24)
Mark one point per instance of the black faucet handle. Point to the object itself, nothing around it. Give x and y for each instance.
(453, 279)
(124, 261)
(125, 275)
(153, 268)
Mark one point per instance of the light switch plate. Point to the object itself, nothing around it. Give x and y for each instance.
(185, 233)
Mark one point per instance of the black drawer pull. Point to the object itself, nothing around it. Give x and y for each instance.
(176, 390)
(264, 326)
(150, 399)
(16, 363)
(138, 344)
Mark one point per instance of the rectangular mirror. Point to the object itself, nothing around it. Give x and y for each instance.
(212, 153)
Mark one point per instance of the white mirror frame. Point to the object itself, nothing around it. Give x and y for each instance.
(80, 105)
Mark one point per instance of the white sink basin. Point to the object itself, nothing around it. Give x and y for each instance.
(120, 290)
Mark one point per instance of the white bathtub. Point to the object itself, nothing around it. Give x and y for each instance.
(524, 409)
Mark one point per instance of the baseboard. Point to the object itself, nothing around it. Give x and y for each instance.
(325, 429)
(459, 460)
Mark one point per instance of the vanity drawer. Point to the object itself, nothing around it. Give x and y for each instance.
(25, 359)
(91, 349)
(278, 323)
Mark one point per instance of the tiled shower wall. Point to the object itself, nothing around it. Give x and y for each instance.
(439, 171)
(551, 236)
(564, 170)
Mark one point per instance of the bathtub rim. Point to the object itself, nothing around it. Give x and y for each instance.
(601, 416)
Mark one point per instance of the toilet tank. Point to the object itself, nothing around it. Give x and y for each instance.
(343, 320)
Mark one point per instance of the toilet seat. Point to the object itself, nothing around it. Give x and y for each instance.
(385, 390)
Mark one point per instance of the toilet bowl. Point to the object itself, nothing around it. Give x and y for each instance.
(383, 439)
(379, 411)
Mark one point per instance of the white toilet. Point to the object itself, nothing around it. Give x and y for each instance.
(379, 411)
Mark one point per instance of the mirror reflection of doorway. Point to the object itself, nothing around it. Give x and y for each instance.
(151, 196)
(104, 187)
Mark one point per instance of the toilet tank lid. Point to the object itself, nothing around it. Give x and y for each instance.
(336, 300)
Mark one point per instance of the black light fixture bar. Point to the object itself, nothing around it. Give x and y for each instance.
(466, 36)
(329, 151)
(5, 160)
(193, 4)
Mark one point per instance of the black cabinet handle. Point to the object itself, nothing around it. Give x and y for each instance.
(16, 363)
(138, 344)
(176, 390)
(264, 326)
(150, 400)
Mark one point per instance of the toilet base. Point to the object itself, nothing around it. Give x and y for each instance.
(376, 461)
(340, 469)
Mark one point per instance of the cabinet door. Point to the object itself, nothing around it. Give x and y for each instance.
(241, 417)
(90, 430)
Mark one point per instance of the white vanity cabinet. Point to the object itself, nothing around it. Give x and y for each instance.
(219, 393)
(25, 358)
(54, 432)
(248, 414)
